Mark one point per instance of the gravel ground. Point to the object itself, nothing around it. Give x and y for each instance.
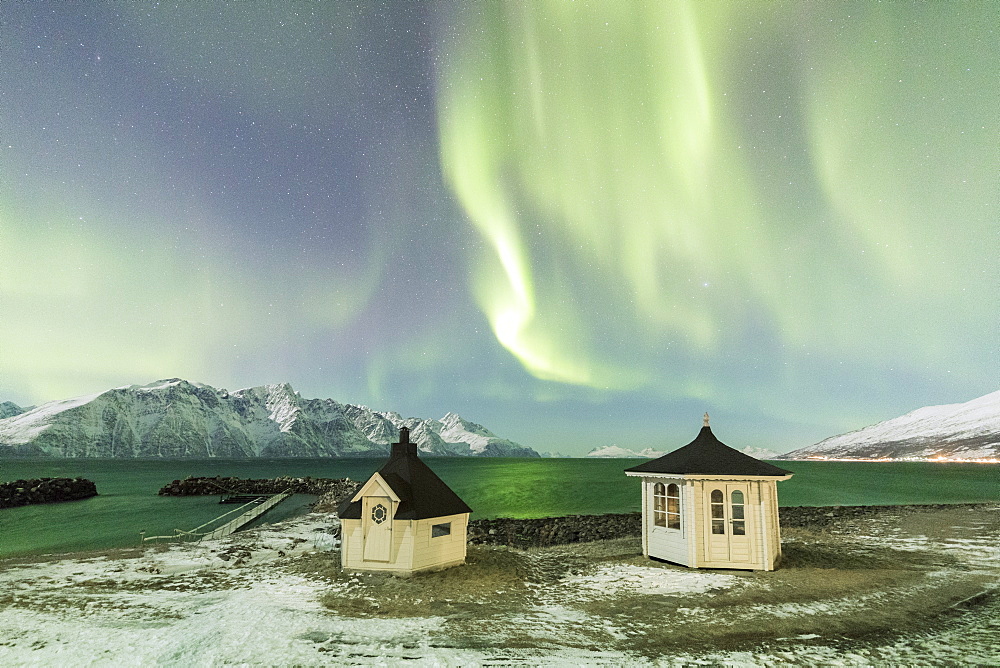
(891, 586)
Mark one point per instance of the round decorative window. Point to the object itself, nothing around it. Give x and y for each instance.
(379, 513)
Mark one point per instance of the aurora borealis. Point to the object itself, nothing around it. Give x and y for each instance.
(578, 223)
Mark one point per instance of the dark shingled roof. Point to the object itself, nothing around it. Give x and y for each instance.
(422, 494)
(707, 455)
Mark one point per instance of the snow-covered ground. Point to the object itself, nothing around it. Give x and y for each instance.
(241, 601)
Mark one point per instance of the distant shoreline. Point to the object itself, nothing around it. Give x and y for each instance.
(14, 456)
(904, 460)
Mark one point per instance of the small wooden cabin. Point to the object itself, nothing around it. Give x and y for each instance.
(706, 505)
(404, 519)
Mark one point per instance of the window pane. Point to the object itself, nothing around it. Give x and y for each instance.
(673, 490)
(739, 529)
(737, 512)
(716, 496)
(441, 530)
(660, 519)
(718, 527)
(718, 512)
(673, 521)
(738, 497)
(673, 505)
(658, 488)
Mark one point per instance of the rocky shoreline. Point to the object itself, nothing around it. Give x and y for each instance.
(329, 490)
(45, 490)
(225, 485)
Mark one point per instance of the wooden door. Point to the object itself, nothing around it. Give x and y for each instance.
(728, 536)
(738, 507)
(376, 521)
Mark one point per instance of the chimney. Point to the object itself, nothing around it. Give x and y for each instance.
(404, 448)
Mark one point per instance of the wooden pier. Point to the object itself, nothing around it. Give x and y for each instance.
(244, 515)
(243, 498)
(257, 509)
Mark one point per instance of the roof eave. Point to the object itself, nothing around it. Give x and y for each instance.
(706, 476)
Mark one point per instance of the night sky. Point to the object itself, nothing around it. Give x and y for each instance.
(577, 223)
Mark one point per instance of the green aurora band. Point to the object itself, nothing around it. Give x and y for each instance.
(638, 186)
(574, 222)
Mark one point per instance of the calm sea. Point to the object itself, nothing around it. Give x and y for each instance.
(127, 501)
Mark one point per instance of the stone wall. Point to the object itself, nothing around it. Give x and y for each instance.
(554, 530)
(45, 490)
(822, 517)
(583, 528)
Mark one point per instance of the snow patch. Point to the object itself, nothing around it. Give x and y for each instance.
(281, 402)
(610, 580)
(456, 430)
(152, 387)
(28, 425)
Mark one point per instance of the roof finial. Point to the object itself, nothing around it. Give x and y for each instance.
(705, 419)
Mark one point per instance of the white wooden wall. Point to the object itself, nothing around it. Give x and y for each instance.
(694, 545)
(662, 542)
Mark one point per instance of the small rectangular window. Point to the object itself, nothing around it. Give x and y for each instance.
(659, 505)
(441, 530)
(673, 513)
(673, 506)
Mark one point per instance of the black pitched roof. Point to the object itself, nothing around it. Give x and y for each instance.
(422, 494)
(707, 455)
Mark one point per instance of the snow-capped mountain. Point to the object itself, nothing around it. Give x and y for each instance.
(175, 418)
(649, 453)
(616, 451)
(759, 453)
(969, 431)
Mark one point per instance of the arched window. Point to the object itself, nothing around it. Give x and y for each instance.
(659, 505)
(739, 520)
(673, 506)
(718, 506)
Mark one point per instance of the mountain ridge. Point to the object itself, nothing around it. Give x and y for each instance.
(174, 418)
(618, 452)
(968, 431)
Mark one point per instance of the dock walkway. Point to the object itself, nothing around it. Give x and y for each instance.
(244, 515)
(258, 508)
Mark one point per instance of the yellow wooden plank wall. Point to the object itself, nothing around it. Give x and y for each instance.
(413, 547)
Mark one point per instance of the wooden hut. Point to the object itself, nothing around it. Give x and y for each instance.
(706, 505)
(404, 519)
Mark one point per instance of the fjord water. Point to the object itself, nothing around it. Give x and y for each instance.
(494, 487)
